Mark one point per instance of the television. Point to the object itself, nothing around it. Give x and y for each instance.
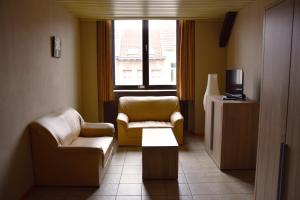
(234, 84)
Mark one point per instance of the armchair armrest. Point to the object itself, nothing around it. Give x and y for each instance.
(122, 119)
(176, 118)
(97, 129)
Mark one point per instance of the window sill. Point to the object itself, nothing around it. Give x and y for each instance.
(149, 90)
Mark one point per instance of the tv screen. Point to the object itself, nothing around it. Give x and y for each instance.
(234, 82)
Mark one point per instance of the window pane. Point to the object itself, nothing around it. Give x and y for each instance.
(128, 52)
(162, 52)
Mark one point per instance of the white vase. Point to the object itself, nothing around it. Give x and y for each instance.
(212, 88)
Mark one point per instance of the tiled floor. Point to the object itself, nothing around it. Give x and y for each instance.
(198, 178)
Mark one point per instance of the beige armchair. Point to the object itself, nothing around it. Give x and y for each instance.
(136, 113)
(68, 151)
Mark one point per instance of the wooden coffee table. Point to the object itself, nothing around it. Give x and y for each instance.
(159, 154)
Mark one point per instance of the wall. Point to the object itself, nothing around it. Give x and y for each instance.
(32, 83)
(245, 46)
(88, 59)
(244, 49)
(209, 59)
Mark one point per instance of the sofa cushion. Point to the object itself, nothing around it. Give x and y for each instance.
(64, 126)
(105, 143)
(150, 124)
(148, 108)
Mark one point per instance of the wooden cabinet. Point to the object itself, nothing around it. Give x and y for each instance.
(278, 162)
(292, 182)
(231, 132)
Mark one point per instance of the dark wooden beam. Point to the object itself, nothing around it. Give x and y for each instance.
(227, 27)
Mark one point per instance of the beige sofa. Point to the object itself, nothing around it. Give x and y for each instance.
(68, 151)
(136, 113)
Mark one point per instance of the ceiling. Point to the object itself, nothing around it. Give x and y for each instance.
(188, 9)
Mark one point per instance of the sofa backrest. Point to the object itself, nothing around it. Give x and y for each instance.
(149, 108)
(64, 125)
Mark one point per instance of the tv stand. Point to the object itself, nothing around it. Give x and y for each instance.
(231, 128)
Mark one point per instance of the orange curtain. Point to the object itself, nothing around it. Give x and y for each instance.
(104, 60)
(185, 60)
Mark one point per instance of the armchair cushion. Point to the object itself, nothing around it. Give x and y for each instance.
(150, 124)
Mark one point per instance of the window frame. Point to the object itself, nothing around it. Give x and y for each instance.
(145, 61)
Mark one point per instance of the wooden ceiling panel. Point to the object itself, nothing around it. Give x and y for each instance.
(124, 9)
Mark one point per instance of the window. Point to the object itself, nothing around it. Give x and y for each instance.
(144, 54)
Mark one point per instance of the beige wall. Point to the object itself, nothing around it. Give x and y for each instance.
(209, 59)
(244, 48)
(32, 83)
(88, 51)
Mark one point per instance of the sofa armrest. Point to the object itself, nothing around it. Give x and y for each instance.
(122, 119)
(80, 160)
(70, 155)
(97, 129)
(73, 156)
(176, 118)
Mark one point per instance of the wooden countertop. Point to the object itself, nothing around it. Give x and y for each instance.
(220, 99)
(158, 137)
